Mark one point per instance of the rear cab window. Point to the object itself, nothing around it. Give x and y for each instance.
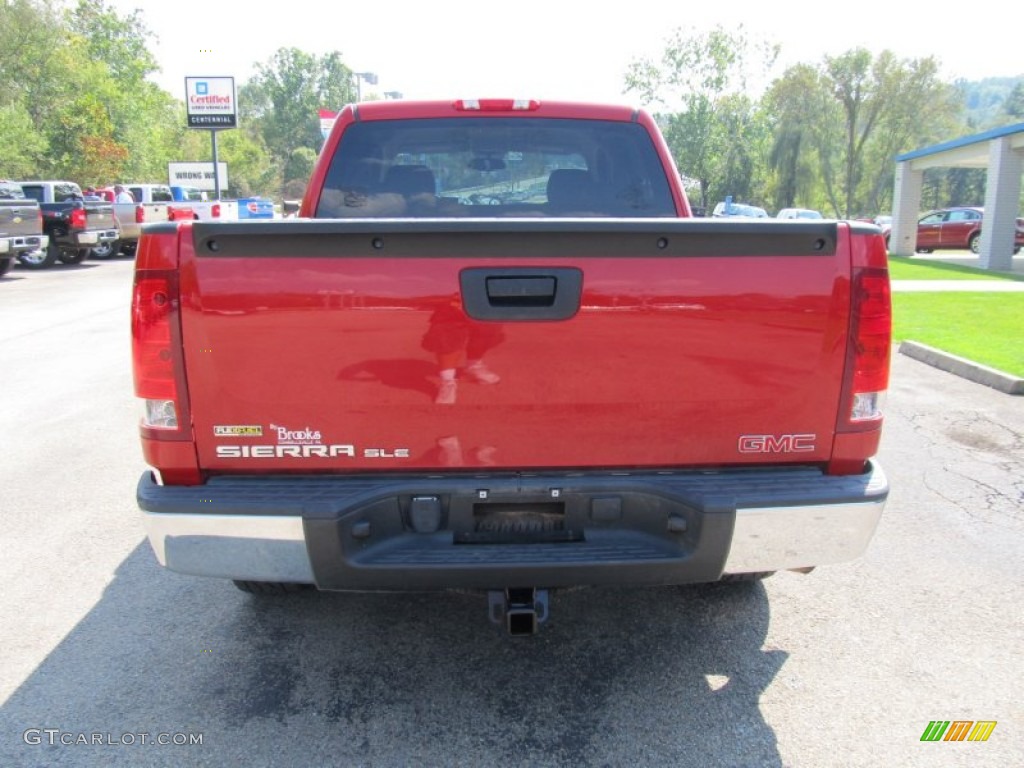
(156, 194)
(9, 191)
(35, 191)
(452, 167)
(66, 191)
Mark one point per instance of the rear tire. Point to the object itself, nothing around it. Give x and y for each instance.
(974, 244)
(75, 258)
(272, 587)
(5, 264)
(128, 249)
(104, 251)
(40, 259)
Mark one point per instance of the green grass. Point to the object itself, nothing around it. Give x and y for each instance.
(987, 328)
(901, 268)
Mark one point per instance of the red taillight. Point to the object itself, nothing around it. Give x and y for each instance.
(140, 214)
(215, 210)
(870, 335)
(156, 340)
(78, 218)
(872, 311)
(153, 304)
(496, 105)
(859, 422)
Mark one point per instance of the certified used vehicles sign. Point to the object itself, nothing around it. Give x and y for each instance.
(210, 102)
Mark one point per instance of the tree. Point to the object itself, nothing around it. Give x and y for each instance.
(123, 111)
(21, 146)
(30, 56)
(919, 109)
(853, 114)
(700, 81)
(796, 105)
(78, 75)
(992, 102)
(283, 99)
(120, 43)
(300, 165)
(1013, 107)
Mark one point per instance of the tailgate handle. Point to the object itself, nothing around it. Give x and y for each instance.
(521, 293)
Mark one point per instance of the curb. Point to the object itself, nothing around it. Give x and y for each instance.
(981, 374)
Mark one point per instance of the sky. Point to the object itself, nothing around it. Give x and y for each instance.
(558, 49)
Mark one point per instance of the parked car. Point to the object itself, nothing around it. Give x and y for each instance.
(739, 210)
(255, 208)
(956, 228)
(798, 213)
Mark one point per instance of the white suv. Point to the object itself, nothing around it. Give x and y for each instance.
(739, 210)
(798, 213)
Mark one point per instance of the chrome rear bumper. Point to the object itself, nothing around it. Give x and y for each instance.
(665, 529)
(97, 237)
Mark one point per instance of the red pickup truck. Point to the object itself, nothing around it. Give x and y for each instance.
(496, 352)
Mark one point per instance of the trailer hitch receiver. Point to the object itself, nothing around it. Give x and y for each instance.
(522, 611)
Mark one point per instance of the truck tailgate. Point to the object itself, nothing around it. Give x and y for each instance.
(325, 345)
(100, 216)
(19, 217)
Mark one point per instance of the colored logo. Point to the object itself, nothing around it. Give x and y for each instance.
(202, 88)
(238, 430)
(959, 730)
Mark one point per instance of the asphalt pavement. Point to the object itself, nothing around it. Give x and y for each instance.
(111, 660)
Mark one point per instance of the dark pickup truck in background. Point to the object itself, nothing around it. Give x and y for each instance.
(21, 224)
(74, 225)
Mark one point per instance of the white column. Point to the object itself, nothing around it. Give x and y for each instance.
(1002, 197)
(906, 210)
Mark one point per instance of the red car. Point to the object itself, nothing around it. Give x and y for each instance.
(958, 228)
